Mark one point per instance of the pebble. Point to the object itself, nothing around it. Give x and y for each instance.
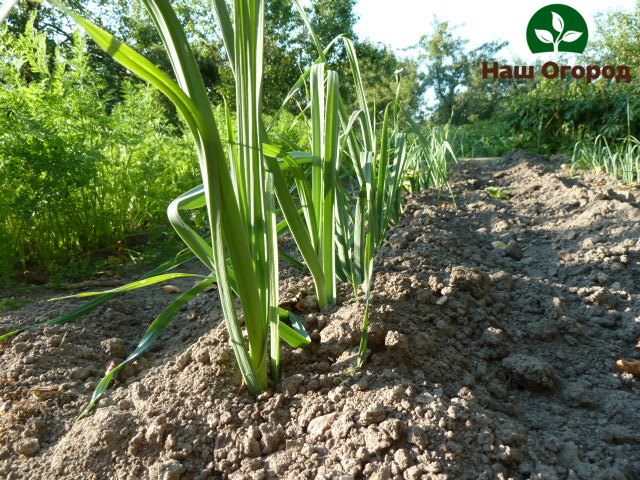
(321, 424)
(514, 251)
(619, 434)
(373, 414)
(397, 342)
(271, 437)
(114, 347)
(251, 447)
(292, 384)
(29, 447)
(531, 372)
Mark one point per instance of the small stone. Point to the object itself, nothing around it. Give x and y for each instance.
(272, 436)
(170, 471)
(375, 440)
(21, 347)
(397, 342)
(373, 414)
(342, 426)
(251, 447)
(29, 447)
(171, 289)
(413, 473)
(308, 303)
(514, 251)
(468, 279)
(292, 384)
(155, 433)
(402, 458)
(114, 347)
(398, 243)
(321, 424)
(495, 341)
(603, 298)
(501, 226)
(442, 300)
(531, 372)
(618, 435)
(416, 436)
(393, 428)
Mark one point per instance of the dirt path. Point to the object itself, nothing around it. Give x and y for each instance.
(487, 363)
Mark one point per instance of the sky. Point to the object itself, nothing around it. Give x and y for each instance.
(401, 23)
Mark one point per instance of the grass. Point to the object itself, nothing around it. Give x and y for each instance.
(13, 303)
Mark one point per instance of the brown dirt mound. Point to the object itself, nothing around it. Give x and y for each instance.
(486, 362)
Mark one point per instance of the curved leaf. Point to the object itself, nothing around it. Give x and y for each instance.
(132, 286)
(153, 333)
(96, 302)
(558, 22)
(544, 36)
(295, 335)
(571, 36)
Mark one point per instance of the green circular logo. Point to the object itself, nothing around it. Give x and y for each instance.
(557, 28)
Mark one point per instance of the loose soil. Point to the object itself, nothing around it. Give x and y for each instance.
(489, 360)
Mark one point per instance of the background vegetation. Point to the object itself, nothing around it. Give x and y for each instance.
(87, 184)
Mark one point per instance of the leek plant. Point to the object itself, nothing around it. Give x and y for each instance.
(349, 186)
(237, 192)
(621, 160)
(316, 236)
(375, 163)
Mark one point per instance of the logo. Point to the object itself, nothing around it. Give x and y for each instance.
(557, 28)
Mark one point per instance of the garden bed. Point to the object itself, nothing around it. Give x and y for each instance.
(495, 334)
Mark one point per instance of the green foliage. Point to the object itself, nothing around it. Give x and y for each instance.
(380, 71)
(546, 115)
(13, 303)
(552, 113)
(484, 138)
(81, 177)
(358, 171)
(617, 40)
(451, 70)
(621, 159)
(499, 193)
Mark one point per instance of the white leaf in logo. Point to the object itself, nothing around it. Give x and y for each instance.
(558, 22)
(571, 36)
(544, 36)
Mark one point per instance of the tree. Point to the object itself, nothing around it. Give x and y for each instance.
(330, 18)
(616, 42)
(450, 67)
(379, 66)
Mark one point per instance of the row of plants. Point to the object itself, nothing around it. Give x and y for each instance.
(620, 159)
(337, 200)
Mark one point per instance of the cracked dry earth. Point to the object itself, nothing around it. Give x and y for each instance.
(486, 363)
